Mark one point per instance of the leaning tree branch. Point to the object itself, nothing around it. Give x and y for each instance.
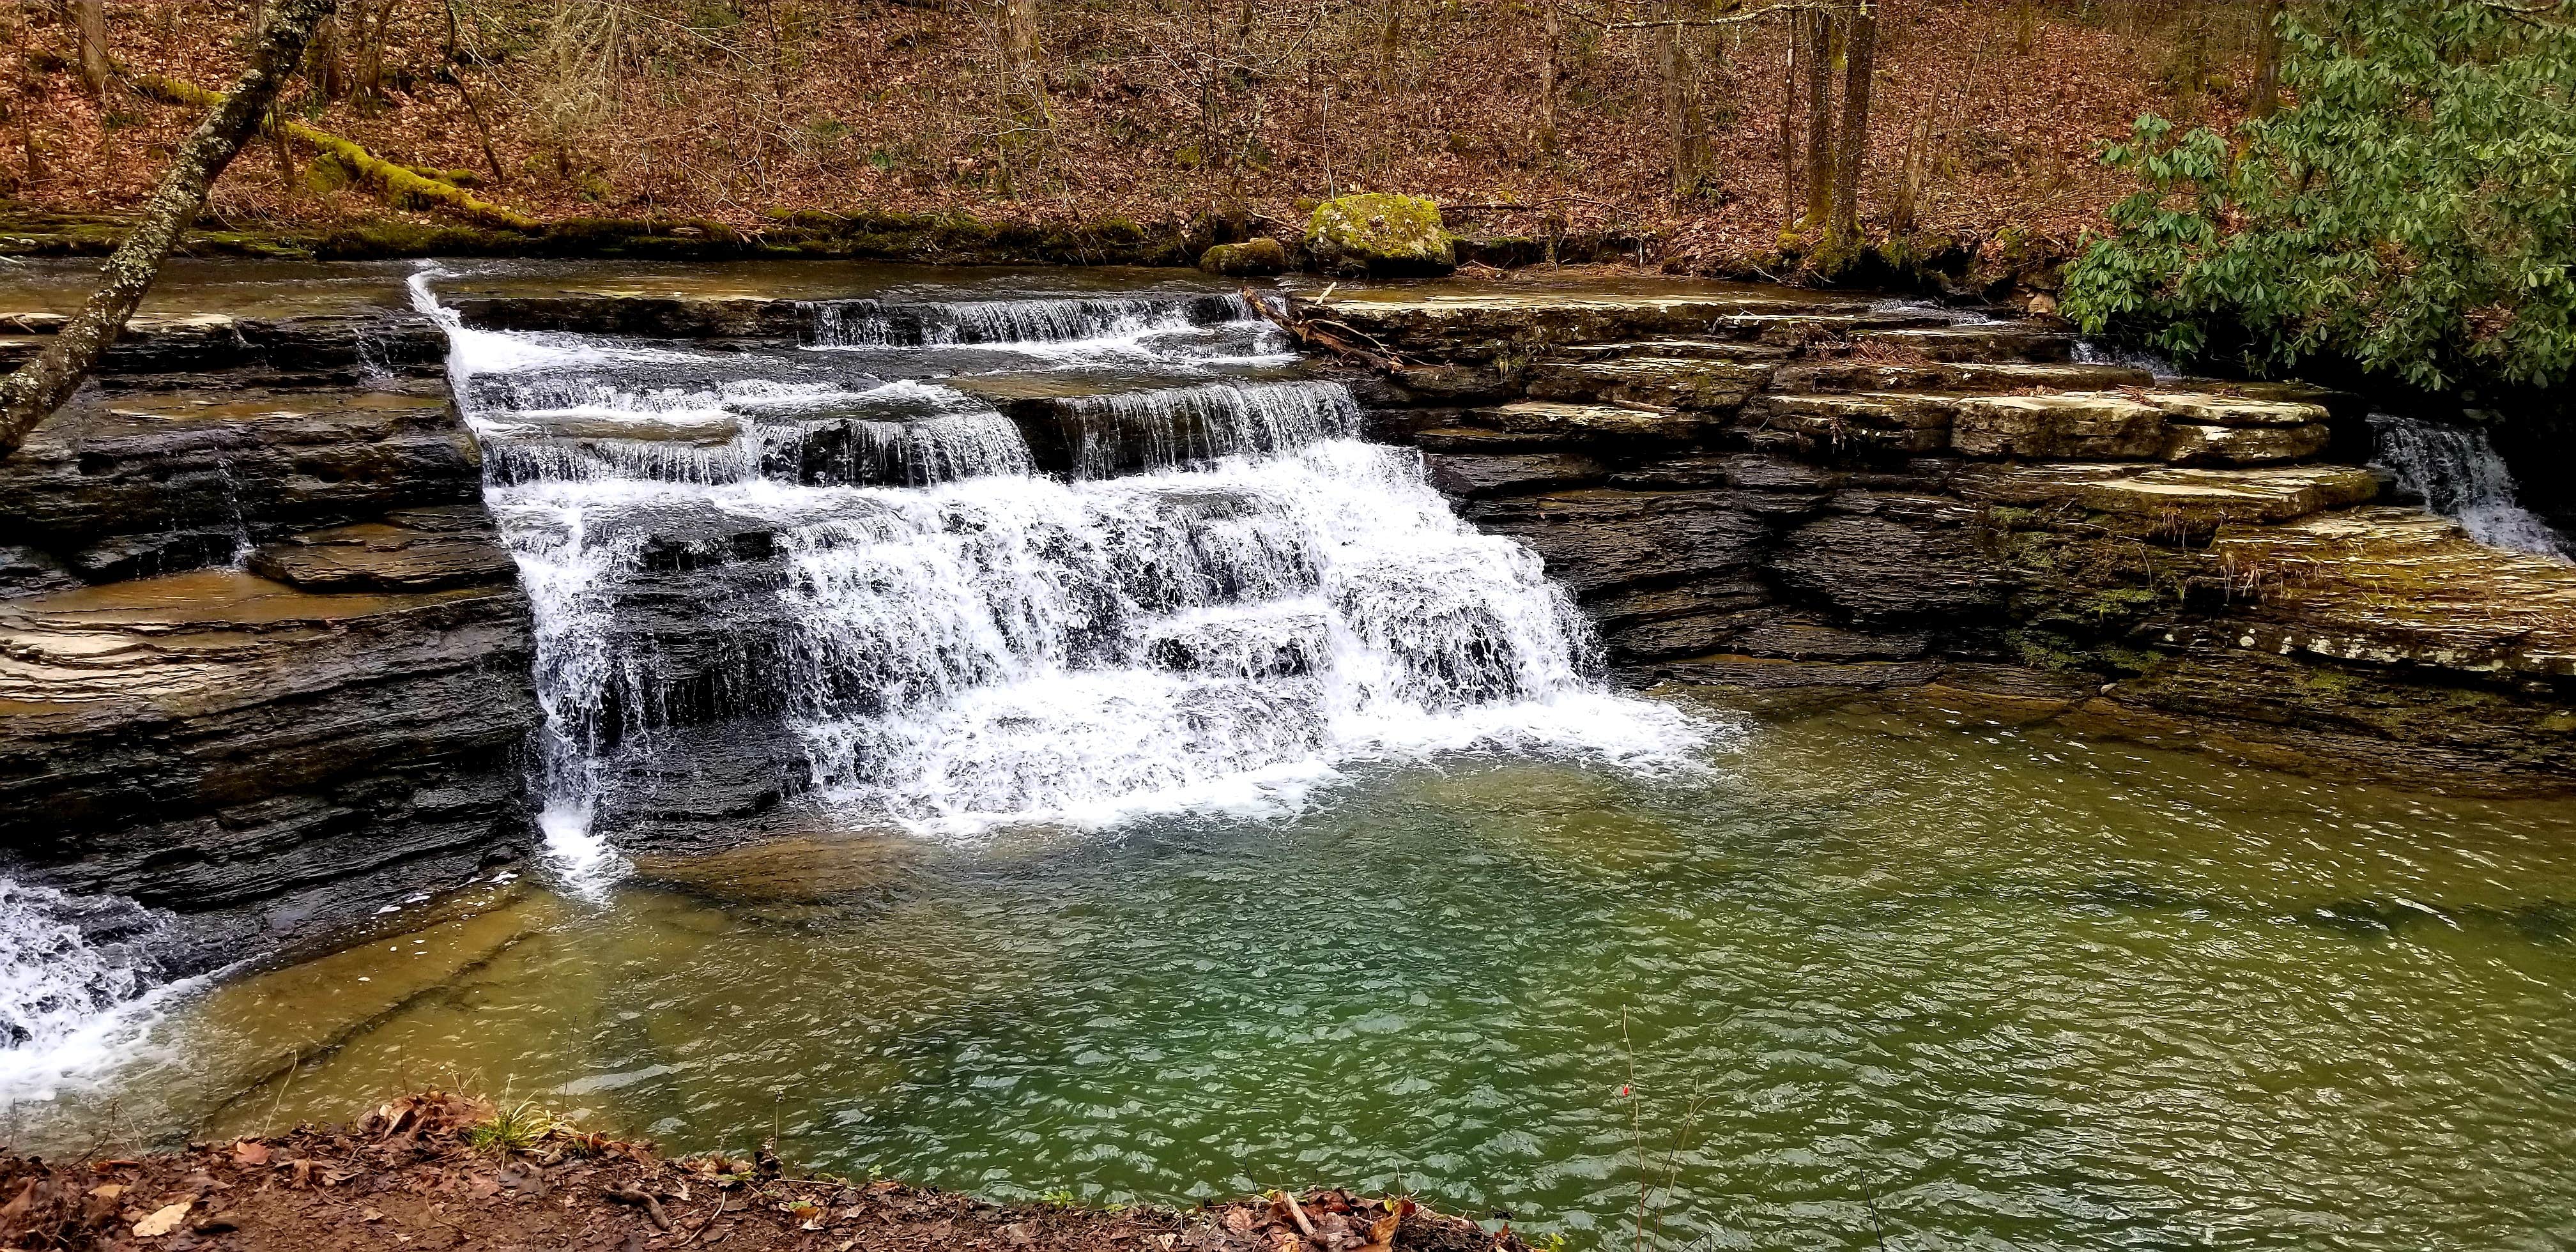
(30, 394)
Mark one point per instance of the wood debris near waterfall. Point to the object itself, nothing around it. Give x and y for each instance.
(430, 1172)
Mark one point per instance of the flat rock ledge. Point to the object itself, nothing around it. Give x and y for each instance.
(1772, 493)
(410, 1174)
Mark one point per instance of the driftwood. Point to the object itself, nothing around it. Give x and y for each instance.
(32, 393)
(1335, 337)
(400, 187)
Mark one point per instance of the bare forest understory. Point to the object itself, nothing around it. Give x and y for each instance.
(1681, 122)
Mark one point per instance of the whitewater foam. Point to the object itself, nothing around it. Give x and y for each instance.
(2458, 473)
(1229, 601)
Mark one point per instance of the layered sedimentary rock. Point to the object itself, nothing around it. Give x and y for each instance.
(261, 652)
(1774, 490)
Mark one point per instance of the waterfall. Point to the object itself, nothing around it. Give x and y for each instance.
(2097, 352)
(2457, 473)
(1174, 426)
(873, 323)
(840, 560)
(77, 984)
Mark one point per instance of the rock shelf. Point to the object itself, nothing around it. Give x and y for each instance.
(1783, 491)
(262, 657)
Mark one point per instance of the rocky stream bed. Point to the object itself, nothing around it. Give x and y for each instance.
(285, 651)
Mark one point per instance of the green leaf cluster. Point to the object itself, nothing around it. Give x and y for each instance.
(2413, 212)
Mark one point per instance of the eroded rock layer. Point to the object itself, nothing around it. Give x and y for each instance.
(1776, 492)
(262, 656)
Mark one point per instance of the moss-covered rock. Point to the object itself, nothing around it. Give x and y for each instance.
(1257, 256)
(1381, 235)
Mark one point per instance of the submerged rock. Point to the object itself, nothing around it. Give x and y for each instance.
(1380, 235)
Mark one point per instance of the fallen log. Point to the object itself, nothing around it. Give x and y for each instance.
(399, 186)
(32, 392)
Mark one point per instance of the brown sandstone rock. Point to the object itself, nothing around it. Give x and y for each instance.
(2242, 445)
(2076, 426)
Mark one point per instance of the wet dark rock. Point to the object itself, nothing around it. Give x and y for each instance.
(1448, 384)
(125, 484)
(1690, 618)
(1687, 383)
(1899, 501)
(663, 317)
(1476, 477)
(1775, 674)
(1601, 539)
(1988, 341)
(1794, 639)
(213, 739)
(270, 754)
(26, 571)
(714, 785)
(1674, 637)
(1856, 374)
(437, 549)
(1881, 569)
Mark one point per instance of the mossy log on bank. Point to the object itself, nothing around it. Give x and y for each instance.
(401, 187)
(927, 238)
(431, 1166)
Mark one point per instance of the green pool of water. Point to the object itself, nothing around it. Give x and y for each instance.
(1870, 975)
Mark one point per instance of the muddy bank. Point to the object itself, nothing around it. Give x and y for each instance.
(437, 1171)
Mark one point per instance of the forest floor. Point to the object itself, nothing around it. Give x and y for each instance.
(421, 1174)
(742, 114)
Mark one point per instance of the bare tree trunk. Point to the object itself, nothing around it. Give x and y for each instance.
(1820, 118)
(1910, 175)
(1860, 55)
(367, 82)
(1020, 43)
(32, 393)
(1547, 78)
(330, 81)
(2267, 59)
(491, 159)
(90, 16)
(1389, 41)
(30, 92)
(1684, 140)
(285, 156)
(1789, 120)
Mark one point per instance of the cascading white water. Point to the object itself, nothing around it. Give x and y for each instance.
(871, 565)
(2459, 475)
(2096, 352)
(872, 323)
(67, 1002)
(1173, 426)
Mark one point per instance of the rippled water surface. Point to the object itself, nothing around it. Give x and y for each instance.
(1962, 985)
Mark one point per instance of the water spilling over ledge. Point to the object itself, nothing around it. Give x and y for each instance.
(851, 651)
(1218, 596)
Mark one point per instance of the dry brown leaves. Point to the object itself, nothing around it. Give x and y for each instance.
(736, 122)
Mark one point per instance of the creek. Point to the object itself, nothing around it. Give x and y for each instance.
(1163, 795)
